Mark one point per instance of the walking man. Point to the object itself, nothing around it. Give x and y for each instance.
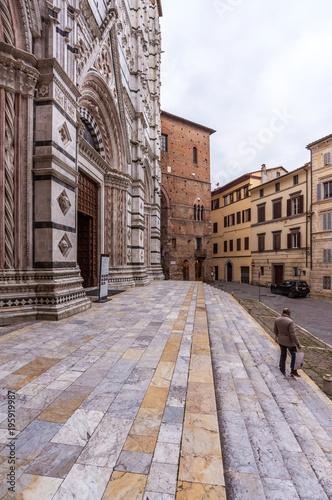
(284, 330)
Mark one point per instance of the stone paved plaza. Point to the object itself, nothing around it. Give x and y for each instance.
(167, 391)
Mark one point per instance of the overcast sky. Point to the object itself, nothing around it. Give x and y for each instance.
(257, 71)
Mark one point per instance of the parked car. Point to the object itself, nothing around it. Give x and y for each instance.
(292, 288)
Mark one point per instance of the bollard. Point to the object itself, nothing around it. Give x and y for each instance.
(250, 310)
(327, 384)
(232, 294)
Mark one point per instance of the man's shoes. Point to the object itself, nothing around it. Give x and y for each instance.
(294, 373)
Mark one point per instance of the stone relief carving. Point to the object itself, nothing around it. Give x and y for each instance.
(64, 202)
(104, 65)
(65, 134)
(43, 90)
(65, 245)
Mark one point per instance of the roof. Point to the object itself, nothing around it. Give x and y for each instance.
(188, 122)
(276, 179)
(319, 140)
(235, 182)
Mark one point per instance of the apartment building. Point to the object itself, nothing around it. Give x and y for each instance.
(280, 227)
(231, 228)
(321, 190)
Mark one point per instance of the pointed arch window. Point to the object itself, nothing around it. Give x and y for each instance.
(195, 212)
(202, 211)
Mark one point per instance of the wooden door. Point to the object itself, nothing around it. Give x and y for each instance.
(87, 236)
(185, 268)
(229, 272)
(199, 266)
(278, 273)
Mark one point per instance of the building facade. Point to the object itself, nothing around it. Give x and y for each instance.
(280, 231)
(185, 200)
(80, 148)
(231, 228)
(321, 191)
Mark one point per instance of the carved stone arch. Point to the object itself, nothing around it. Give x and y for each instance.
(165, 194)
(97, 99)
(24, 22)
(93, 131)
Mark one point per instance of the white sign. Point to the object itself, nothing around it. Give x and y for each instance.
(103, 277)
(173, 262)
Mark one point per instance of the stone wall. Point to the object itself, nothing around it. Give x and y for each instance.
(79, 95)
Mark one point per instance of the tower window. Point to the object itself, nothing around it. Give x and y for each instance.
(164, 142)
(195, 155)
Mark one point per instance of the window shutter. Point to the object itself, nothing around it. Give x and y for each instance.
(289, 207)
(319, 191)
(299, 240)
(301, 203)
(326, 159)
(242, 215)
(289, 240)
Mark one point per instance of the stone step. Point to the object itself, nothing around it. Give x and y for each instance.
(269, 405)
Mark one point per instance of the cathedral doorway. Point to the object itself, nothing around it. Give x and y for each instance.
(87, 222)
(185, 269)
(199, 266)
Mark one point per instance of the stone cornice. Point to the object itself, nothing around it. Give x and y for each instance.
(45, 65)
(17, 70)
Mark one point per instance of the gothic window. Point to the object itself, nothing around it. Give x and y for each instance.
(164, 142)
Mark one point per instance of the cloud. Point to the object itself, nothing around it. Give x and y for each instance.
(230, 64)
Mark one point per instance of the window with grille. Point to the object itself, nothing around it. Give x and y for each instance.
(277, 241)
(164, 142)
(327, 257)
(326, 282)
(261, 213)
(277, 209)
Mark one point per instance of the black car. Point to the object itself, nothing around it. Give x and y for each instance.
(292, 288)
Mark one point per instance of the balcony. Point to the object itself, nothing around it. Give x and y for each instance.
(200, 253)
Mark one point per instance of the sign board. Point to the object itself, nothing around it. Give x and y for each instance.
(253, 264)
(173, 262)
(103, 276)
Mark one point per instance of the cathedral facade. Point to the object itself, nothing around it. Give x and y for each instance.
(79, 151)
